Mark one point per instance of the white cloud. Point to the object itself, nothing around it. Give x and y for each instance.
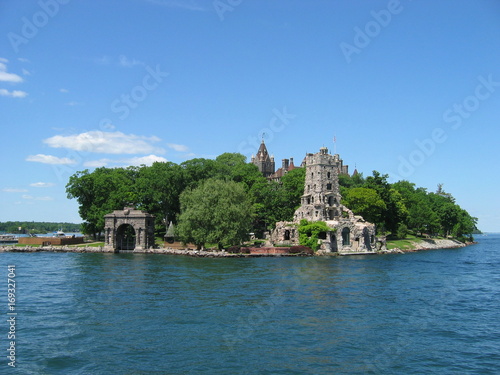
(42, 184)
(146, 160)
(106, 143)
(135, 161)
(176, 147)
(14, 190)
(14, 93)
(8, 77)
(26, 72)
(64, 91)
(50, 159)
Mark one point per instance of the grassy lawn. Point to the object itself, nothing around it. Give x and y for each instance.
(403, 244)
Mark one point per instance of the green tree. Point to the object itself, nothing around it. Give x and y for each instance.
(198, 170)
(215, 212)
(365, 202)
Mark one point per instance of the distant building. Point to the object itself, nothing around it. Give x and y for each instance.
(267, 166)
(264, 161)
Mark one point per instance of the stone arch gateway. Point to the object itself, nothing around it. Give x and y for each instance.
(128, 230)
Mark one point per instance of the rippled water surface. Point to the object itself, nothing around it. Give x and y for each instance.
(434, 312)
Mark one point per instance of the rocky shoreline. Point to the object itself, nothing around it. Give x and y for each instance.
(425, 244)
(429, 244)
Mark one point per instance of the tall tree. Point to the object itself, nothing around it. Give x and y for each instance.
(100, 192)
(158, 188)
(365, 202)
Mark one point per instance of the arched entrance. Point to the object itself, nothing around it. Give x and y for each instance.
(125, 237)
(129, 229)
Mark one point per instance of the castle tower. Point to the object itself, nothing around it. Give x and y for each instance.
(321, 199)
(263, 161)
(348, 234)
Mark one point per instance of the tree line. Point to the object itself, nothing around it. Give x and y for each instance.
(219, 201)
(401, 207)
(36, 227)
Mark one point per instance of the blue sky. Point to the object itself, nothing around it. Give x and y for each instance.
(408, 88)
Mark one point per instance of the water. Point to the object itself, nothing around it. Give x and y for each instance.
(434, 312)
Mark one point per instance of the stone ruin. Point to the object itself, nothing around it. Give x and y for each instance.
(350, 234)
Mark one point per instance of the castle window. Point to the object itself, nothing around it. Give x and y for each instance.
(328, 174)
(328, 186)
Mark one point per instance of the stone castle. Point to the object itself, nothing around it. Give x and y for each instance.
(350, 234)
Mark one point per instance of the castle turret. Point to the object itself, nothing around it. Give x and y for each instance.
(264, 161)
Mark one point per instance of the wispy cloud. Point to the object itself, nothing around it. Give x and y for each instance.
(74, 104)
(64, 91)
(6, 76)
(50, 159)
(179, 4)
(122, 61)
(135, 161)
(30, 197)
(13, 93)
(176, 147)
(14, 190)
(126, 62)
(106, 143)
(42, 184)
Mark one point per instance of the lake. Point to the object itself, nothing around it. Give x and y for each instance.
(431, 312)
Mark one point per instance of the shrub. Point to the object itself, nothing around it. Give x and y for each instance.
(402, 231)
